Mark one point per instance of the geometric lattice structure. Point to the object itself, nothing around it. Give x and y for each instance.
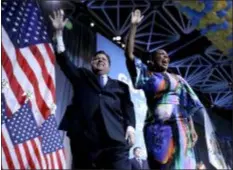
(210, 73)
(165, 26)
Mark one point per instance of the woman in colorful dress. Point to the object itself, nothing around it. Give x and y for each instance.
(169, 130)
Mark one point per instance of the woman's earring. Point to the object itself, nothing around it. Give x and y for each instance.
(150, 64)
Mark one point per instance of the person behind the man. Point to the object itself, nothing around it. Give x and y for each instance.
(100, 121)
(137, 162)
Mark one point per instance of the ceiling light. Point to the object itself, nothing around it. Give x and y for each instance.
(118, 38)
(92, 24)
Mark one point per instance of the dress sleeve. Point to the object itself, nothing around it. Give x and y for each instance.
(142, 75)
(189, 99)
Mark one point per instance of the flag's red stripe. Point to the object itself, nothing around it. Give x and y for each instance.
(8, 111)
(7, 153)
(28, 156)
(59, 160)
(37, 153)
(63, 151)
(47, 78)
(45, 111)
(52, 160)
(42, 157)
(4, 60)
(17, 151)
(16, 88)
(47, 162)
(51, 54)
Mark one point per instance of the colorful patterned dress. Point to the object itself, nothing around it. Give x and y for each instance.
(171, 102)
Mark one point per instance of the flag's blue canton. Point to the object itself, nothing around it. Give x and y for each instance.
(3, 105)
(23, 23)
(51, 139)
(22, 125)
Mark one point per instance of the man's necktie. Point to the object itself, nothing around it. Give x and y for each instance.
(102, 80)
(140, 163)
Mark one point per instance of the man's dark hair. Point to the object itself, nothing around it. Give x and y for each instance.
(134, 149)
(103, 52)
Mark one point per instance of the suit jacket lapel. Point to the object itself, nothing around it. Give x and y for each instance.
(109, 83)
(136, 161)
(143, 163)
(92, 78)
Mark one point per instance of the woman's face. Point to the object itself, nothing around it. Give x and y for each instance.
(161, 60)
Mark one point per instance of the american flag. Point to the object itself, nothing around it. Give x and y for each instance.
(30, 138)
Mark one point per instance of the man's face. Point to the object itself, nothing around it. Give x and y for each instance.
(100, 64)
(161, 60)
(137, 153)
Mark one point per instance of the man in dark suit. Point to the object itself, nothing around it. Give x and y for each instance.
(136, 162)
(100, 121)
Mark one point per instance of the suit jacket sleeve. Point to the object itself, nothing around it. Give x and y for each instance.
(68, 68)
(66, 120)
(72, 73)
(146, 166)
(131, 163)
(128, 108)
